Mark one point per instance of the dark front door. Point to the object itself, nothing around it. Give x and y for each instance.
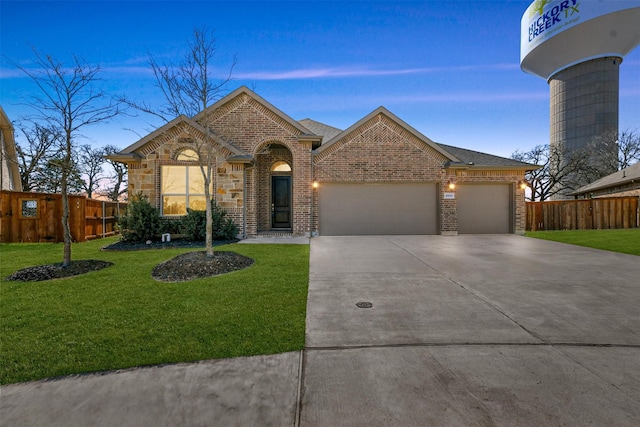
(280, 201)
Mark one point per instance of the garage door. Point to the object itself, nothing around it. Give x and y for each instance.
(484, 209)
(376, 209)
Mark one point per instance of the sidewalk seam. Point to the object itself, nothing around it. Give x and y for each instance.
(296, 421)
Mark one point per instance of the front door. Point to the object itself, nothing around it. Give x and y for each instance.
(280, 201)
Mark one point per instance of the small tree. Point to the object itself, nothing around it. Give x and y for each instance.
(189, 88)
(69, 101)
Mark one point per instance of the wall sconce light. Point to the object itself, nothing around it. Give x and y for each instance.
(523, 184)
(315, 185)
(451, 185)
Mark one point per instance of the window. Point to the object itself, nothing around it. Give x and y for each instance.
(28, 208)
(188, 155)
(182, 187)
(280, 167)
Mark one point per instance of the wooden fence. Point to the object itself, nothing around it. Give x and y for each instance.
(583, 214)
(37, 217)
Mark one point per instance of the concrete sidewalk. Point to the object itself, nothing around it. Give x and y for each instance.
(467, 330)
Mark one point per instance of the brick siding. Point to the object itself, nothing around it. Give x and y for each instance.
(378, 150)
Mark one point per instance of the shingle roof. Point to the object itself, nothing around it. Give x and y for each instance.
(320, 129)
(626, 175)
(477, 158)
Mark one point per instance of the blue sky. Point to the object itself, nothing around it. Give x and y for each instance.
(450, 69)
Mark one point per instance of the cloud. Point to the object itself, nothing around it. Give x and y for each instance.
(139, 67)
(315, 73)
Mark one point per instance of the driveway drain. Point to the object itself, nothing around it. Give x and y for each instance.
(364, 304)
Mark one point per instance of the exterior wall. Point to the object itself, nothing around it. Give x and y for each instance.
(462, 176)
(228, 180)
(266, 158)
(381, 151)
(252, 127)
(9, 171)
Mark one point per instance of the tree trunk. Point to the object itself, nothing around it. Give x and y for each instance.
(209, 216)
(66, 230)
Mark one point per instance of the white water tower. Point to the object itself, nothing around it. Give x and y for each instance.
(578, 46)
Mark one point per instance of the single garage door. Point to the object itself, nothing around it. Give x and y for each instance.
(484, 209)
(376, 209)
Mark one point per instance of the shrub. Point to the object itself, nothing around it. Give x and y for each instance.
(141, 221)
(170, 225)
(194, 224)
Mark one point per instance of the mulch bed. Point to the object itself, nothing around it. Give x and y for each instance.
(195, 265)
(157, 244)
(57, 271)
(184, 267)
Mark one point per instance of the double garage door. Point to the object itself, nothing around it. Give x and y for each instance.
(410, 208)
(377, 209)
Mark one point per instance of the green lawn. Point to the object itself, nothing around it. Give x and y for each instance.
(120, 317)
(626, 241)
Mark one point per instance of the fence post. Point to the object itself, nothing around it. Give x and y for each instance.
(104, 220)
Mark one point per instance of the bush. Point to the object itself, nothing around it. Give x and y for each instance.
(194, 224)
(170, 225)
(141, 221)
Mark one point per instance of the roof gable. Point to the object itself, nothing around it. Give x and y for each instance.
(178, 125)
(378, 113)
(245, 91)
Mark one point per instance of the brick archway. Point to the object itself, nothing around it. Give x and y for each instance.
(268, 155)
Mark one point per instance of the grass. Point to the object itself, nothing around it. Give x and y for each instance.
(626, 241)
(120, 317)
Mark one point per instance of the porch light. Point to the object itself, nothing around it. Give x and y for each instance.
(523, 184)
(451, 184)
(315, 184)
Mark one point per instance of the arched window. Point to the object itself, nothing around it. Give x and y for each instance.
(280, 167)
(188, 155)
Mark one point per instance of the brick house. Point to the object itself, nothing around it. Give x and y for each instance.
(276, 174)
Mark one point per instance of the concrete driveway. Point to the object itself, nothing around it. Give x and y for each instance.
(470, 330)
(462, 331)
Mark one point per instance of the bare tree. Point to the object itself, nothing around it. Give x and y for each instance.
(117, 179)
(557, 172)
(69, 100)
(628, 148)
(566, 170)
(42, 143)
(189, 88)
(613, 151)
(90, 162)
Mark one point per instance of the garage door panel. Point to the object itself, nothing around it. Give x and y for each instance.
(377, 209)
(484, 209)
